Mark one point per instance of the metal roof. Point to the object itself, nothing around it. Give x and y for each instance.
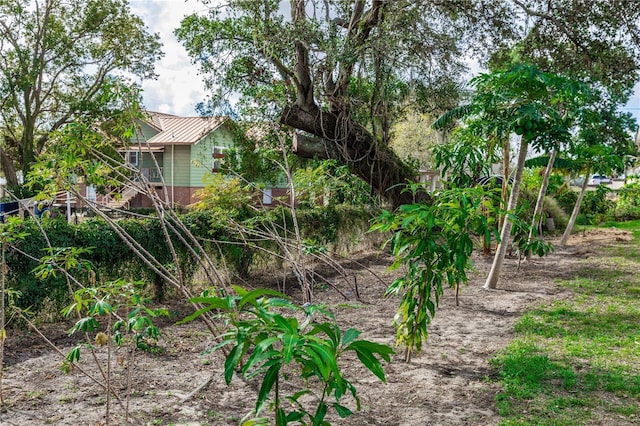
(176, 130)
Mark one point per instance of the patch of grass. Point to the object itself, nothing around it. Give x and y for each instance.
(608, 323)
(625, 410)
(577, 361)
(615, 289)
(524, 372)
(633, 226)
(626, 251)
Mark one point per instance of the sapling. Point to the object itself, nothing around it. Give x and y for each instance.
(269, 335)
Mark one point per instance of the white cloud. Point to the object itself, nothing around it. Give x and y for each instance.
(178, 87)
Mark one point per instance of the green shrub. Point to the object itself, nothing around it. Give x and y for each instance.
(566, 199)
(551, 208)
(268, 340)
(627, 205)
(110, 258)
(597, 203)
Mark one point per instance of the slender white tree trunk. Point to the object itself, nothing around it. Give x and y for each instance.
(574, 213)
(492, 279)
(506, 159)
(537, 213)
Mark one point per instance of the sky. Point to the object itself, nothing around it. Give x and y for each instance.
(633, 106)
(179, 87)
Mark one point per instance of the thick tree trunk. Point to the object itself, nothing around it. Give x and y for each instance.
(492, 279)
(8, 170)
(313, 147)
(349, 143)
(574, 213)
(537, 213)
(28, 147)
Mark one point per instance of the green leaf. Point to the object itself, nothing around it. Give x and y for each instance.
(224, 303)
(281, 303)
(102, 307)
(251, 296)
(294, 398)
(270, 378)
(86, 325)
(314, 363)
(318, 309)
(431, 307)
(349, 336)
(196, 314)
(77, 296)
(69, 309)
(281, 417)
(449, 117)
(329, 361)
(289, 342)
(371, 362)
(295, 416)
(331, 330)
(288, 324)
(365, 351)
(139, 323)
(261, 353)
(118, 325)
(117, 338)
(273, 358)
(321, 412)
(74, 354)
(384, 351)
(342, 410)
(230, 363)
(239, 290)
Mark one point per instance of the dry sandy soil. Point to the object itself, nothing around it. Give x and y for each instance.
(448, 384)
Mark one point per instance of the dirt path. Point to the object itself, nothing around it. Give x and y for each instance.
(448, 384)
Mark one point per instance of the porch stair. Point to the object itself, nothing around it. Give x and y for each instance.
(118, 202)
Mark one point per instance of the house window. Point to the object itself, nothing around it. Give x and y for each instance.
(91, 193)
(133, 158)
(267, 196)
(217, 158)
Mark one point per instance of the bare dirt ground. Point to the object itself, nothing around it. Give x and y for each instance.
(448, 384)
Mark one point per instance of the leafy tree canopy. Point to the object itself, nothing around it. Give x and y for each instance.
(413, 139)
(339, 70)
(597, 41)
(603, 141)
(57, 65)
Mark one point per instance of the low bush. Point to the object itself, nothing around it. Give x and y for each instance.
(109, 258)
(566, 199)
(552, 208)
(627, 205)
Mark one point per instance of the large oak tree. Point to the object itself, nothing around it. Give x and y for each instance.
(342, 68)
(338, 70)
(57, 64)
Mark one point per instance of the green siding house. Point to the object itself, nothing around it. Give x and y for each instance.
(175, 153)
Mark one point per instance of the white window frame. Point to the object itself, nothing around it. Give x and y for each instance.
(133, 158)
(217, 157)
(267, 196)
(91, 193)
